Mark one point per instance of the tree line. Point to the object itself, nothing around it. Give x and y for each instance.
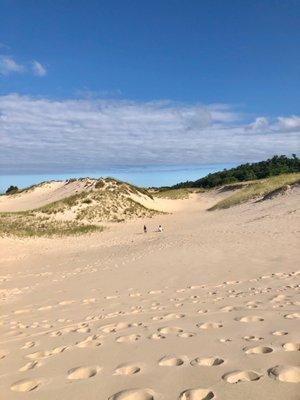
(276, 165)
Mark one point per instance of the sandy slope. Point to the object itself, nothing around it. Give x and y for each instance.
(41, 195)
(210, 307)
(50, 192)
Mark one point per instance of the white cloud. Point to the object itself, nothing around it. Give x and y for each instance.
(38, 69)
(279, 124)
(43, 135)
(8, 66)
(289, 124)
(259, 125)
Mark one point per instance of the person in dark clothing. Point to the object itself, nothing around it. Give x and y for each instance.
(145, 229)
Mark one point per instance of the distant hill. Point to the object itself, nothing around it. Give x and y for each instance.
(276, 165)
(73, 206)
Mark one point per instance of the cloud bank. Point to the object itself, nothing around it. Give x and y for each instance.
(39, 135)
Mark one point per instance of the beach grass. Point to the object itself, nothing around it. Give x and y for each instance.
(176, 194)
(257, 189)
(28, 224)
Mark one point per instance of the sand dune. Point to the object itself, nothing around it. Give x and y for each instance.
(209, 309)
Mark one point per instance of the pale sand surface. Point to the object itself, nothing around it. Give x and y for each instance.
(120, 315)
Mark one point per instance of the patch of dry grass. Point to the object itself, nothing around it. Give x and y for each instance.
(28, 224)
(257, 189)
(176, 194)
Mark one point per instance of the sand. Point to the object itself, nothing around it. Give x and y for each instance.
(208, 309)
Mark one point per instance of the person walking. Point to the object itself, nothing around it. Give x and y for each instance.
(160, 228)
(145, 229)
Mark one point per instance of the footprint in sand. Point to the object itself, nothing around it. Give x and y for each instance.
(186, 335)
(68, 330)
(250, 318)
(291, 346)
(58, 350)
(157, 336)
(127, 369)
(134, 394)
(135, 294)
(25, 385)
(292, 316)
(194, 287)
(172, 361)
(56, 333)
(90, 341)
(258, 350)
(207, 362)
(89, 301)
(168, 317)
(210, 325)
(66, 302)
(252, 338)
(241, 376)
(279, 333)
(83, 330)
(225, 340)
(30, 365)
(115, 327)
(228, 309)
(285, 373)
(3, 354)
(170, 330)
(83, 372)
(128, 339)
(278, 298)
(39, 355)
(44, 308)
(197, 394)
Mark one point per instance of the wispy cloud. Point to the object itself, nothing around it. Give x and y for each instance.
(261, 124)
(4, 46)
(9, 66)
(38, 69)
(43, 135)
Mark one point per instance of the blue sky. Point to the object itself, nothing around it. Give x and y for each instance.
(87, 86)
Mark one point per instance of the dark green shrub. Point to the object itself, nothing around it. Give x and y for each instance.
(12, 190)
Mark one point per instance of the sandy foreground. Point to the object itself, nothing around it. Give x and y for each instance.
(208, 309)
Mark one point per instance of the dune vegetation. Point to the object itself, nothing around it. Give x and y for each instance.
(28, 224)
(95, 202)
(257, 189)
(274, 166)
(173, 194)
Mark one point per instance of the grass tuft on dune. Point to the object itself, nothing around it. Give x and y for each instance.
(257, 189)
(176, 194)
(26, 224)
